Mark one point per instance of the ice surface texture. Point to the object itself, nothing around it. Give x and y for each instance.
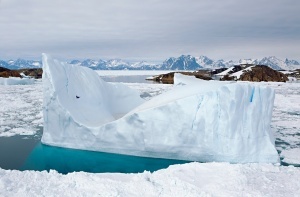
(192, 179)
(16, 81)
(197, 120)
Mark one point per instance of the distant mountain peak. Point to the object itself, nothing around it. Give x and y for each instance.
(183, 62)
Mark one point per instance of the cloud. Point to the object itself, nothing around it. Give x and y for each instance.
(149, 29)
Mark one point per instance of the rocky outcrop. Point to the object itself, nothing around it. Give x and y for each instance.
(263, 73)
(227, 78)
(30, 72)
(5, 73)
(237, 68)
(169, 77)
(2, 69)
(217, 71)
(295, 74)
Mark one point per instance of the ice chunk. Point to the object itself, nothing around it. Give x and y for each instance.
(200, 121)
(15, 81)
(291, 156)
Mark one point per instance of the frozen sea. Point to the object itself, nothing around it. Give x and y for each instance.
(21, 124)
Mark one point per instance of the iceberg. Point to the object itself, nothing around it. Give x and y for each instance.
(195, 121)
(16, 81)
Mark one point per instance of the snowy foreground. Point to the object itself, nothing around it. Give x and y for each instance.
(193, 179)
(195, 121)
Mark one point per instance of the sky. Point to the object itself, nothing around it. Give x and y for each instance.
(150, 30)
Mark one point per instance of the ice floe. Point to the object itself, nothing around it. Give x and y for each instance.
(291, 156)
(16, 81)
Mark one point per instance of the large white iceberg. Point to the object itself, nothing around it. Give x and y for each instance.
(196, 121)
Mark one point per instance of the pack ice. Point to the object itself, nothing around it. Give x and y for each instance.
(196, 121)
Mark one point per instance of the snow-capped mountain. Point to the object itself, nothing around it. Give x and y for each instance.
(212, 64)
(291, 62)
(115, 64)
(271, 61)
(145, 66)
(183, 62)
(206, 62)
(4, 64)
(90, 63)
(20, 63)
(274, 63)
(248, 61)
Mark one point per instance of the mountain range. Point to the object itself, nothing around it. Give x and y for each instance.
(184, 62)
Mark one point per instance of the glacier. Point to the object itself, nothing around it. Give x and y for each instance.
(195, 121)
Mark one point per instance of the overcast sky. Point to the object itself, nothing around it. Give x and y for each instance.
(151, 30)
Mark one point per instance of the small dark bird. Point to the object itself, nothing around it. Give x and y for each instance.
(77, 97)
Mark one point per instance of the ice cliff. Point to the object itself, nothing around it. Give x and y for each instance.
(196, 121)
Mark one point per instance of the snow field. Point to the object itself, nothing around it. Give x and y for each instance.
(192, 179)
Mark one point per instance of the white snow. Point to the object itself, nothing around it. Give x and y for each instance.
(273, 61)
(180, 79)
(37, 64)
(204, 121)
(143, 63)
(247, 61)
(148, 91)
(238, 74)
(15, 81)
(225, 72)
(24, 76)
(291, 156)
(116, 62)
(193, 179)
(286, 72)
